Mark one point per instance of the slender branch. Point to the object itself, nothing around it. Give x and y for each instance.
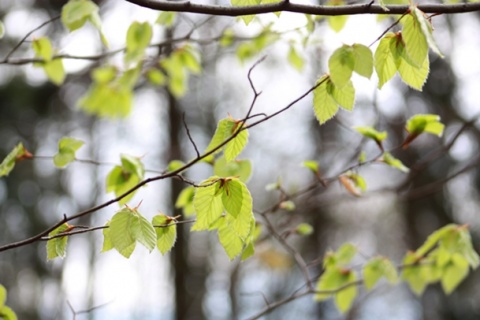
(287, 6)
(190, 136)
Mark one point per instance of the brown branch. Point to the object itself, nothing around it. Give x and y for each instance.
(287, 6)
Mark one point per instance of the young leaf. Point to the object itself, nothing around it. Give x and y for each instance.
(229, 239)
(338, 279)
(377, 268)
(225, 129)
(236, 145)
(341, 258)
(238, 3)
(76, 12)
(166, 18)
(208, 204)
(363, 60)
(121, 234)
(185, 201)
(17, 154)
(143, 231)
(336, 22)
(124, 177)
(454, 272)
(312, 165)
(138, 39)
(324, 106)
(166, 231)
(7, 313)
(156, 77)
(394, 162)
(385, 65)
(341, 65)
(237, 168)
(415, 41)
(413, 274)
(295, 59)
(426, 28)
(429, 123)
(57, 247)
(412, 75)
(175, 165)
(53, 68)
(107, 241)
(304, 229)
(371, 133)
(3, 295)
(232, 196)
(345, 297)
(344, 96)
(66, 151)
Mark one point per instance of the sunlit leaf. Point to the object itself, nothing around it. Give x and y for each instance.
(138, 39)
(76, 12)
(208, 204)
(324, 104)
(341, 257)
(7, 313)
(185, 201)
(312, 165)
(304, 229)
(341, 64)
(394, 162)
(66, 151)
(239, 3)
(237, 168)
(143, 231)
(415, 41)
(121, 235)
(53, 68)
(454, 272)
(17, 154)
(377, 268)
(426, 28)
(363, 60)
(429, 123)
(295, 59)
(385, 65)
(166, 18)
(57, 247)
(107, 241)
(345, 297)
(124, 177)
(166, 230)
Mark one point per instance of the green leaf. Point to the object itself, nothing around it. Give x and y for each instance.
(7, 313)
(230, 241)
(371, 133)
(124, 177)
(177, 77)
(190, 60)
(143, 231)
(295, 60)
(341, 65)
(2, 30)
(185, 201)
(57, 247)
(166, 230)
(76, 12)
(225, 129)
(429, 123)
(66, 151)
(121, 234)
(138, 39)
(426, 28)
(236, 168)
(358, 181)
(324, 106)
(104, 74)
(377, 268)
(415, 41)
(208, 204)
(107, 100)
(344, 96)
(454, 272)
(17, 154)
(232, 196)
(412, 75)
(385, 64)
(312, 165)
(156, 77)
(304, 229)
(394, 162)
(345, 297)
(3, 295)
(363, 60)
(238, 3)
(166, 19)
(175, 165)
(341, 257)
(107, 241)
(414, 274)
(53, 68)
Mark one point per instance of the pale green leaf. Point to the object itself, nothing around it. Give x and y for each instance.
(385, 65)
(232, 197)
(166, 18)
(434, 238)
(454, 273)
(412, 75)
(208, 204)
(175, 165)
(337, 22)
(394, 162)
(237, 168)
(166, 230)
(123, 178)
(235, 146)
(57, 247)
(429, 123)
(229, 239)
(43, 48)
(3, 295)
(143, 231)
(17, 154)
(341, 257)
(312, 165)
(156, 77)
(76, 12)
(304, 229)
(104, 74)
(344, 96)
(121, 235)
(238, 3)
(415, 41)
(345, 297)
(138, 39)
(330, 280)
(185, 201)
(225, 129)
(189, 57)
(324, 106)
(295, 60)
(341, 64)
(66, 151)
(7, 313)
(55, 71)
(363, 60)
(107, 241)
(371, 133)
(426, 28)
(377, 268)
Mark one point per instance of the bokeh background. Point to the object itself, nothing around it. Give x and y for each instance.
(196, 280)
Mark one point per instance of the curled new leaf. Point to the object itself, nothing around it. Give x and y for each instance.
(394, 162)
(57, 247)
(166, 230)
(420, 123)
(124, 177)
(17, 154)
(371, 133)
(66, 151)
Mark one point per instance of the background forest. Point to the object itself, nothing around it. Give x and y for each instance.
(197, 280)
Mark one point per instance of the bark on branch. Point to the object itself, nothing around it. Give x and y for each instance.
(287, 6)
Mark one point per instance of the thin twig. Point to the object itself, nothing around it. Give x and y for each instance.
(190, 136)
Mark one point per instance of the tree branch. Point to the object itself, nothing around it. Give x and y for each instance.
(286, 6)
